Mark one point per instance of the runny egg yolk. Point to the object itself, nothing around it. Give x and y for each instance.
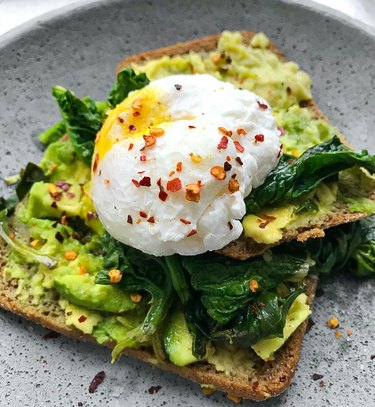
(133, 118)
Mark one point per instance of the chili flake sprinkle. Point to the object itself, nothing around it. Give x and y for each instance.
(82, 319)
(151, 219)
(149, 140)
(162, 194)
(129, 220)
(230, 226)
(233, 185)
(191, 127)
(262, 106)
(223, 143)
(193, 192)
(174, 185)
(241, 132)
(120, 119)
(131, 145)
(227, 166)
(225, 131)
(143, 158)
(184, 221)
(132, 127)
(106, 181)
(135, 297)
(239, 147)
(143, 214)
(179, 166)
(96, 162)
(218, 172)
(259, 138)
(115, 276)
(253, 285)
(192, 233)
(96, 381)
(238, 159)
(156, 132)
(135, 182)
(145, 182)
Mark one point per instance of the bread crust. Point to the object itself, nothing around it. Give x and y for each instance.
(246, 247)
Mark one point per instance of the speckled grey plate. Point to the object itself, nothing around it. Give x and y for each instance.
(79, 48)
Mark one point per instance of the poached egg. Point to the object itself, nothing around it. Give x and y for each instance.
(175, 160)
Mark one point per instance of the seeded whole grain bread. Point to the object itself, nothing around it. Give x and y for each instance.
(269, 378)
(244, 247)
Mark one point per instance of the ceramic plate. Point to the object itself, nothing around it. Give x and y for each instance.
(79, 48)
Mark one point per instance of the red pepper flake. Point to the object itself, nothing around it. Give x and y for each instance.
(218, 172)
(261, 304)
(120, 119)
(193, 192)
(238, 159)
(262, 106)
(130, 220)
(151, 219)
(82, 319)
(259, 138)
(230, 226)
(131, 145)
(92, 215)
(69, 313)
(233, 185)
(96, 162)
(171, 173)
(184, 221)
(253, 308)
(162, 194)
(96, 381)
(149, 140)
(288, 90)
(267, 220)
(225, 131)
(281, 149)
(132, 127)
(65, 186)
(238, 146)
(139, 220)
(227, 166)
(106, 181)
(174, 185)
(143, 158)
(155, 389)
(281, 130)
(143, 214)
(191, 127)
(135, 182)
(54, 205)
(192, 233)
(227, 158)
(223, 143)
(179, 166)
(145, 182)
(136, 113)
(241, 132)
(141, 172)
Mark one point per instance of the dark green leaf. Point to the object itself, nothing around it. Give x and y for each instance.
(31, 174)
(293, 178)
(126, 82)
(82, 120)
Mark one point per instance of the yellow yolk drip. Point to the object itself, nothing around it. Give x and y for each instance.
(132, 118)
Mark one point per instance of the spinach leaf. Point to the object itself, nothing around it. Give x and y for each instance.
(126, 82)
(28, 176)
(82, 120)
(224, 283)
(141, 273)
(295, 177)
(264, 318)
(363, 257)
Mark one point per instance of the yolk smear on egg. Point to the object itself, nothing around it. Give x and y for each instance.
(132, 119)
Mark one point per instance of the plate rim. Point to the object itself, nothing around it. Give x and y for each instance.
(81, 6)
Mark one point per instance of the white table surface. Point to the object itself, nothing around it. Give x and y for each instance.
(16, 12)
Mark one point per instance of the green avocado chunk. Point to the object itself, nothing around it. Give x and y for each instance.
(178, 341)
(81, 290)
(42, 204)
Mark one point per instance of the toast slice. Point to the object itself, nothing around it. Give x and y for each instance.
(267, 380)
(244, 247)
